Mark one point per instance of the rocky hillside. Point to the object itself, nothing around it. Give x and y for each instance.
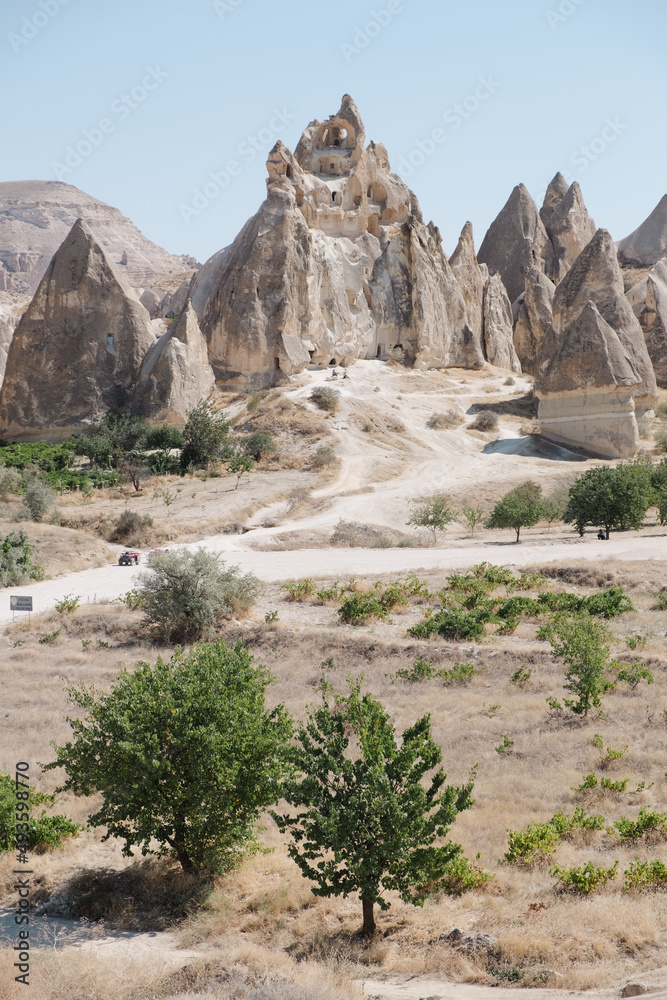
(36, 217)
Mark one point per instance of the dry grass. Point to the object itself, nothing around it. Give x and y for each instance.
(263, 929)
(61, 550)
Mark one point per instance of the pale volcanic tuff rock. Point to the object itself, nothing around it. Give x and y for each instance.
(516, 241)
(586, 389)
(498, 338)
(649, 302)
(78, 348)
(534, 316)
(175, 374)
(596, 276)
(471, 279)
(569, 226)
(336, 265)
(648, 244)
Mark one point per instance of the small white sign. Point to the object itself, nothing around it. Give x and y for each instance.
(20, 603)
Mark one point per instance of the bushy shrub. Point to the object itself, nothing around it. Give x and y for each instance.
(453, 623)
(258, 445)
(299, 590)
(460, 673)
(660, 438)
(539, 840)
(645, 875)
(205, 434)
(355, 536)
(131, 528)
(325, 398)
(360, 608)
(16, 565)
(37, 500)
(648, 822)
(486, 421)
(10, 482)
(189, 593)
(325, 455)
(463, 876)
(584, 880)
(445, 421)
(43, 831)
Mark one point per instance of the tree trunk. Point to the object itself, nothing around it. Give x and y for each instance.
(369, 920)
(518, 532)
(607, 531)
(178, 844)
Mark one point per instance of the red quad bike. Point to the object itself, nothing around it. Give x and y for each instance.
(129, 559)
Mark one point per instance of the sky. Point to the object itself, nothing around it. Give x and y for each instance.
(167, 110)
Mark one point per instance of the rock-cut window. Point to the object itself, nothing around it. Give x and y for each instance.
(110, 340)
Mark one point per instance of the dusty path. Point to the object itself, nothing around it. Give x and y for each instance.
(109, 582)
(420, 988)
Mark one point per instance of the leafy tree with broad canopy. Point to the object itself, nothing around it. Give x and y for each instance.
(204, 433)
(185, 753)
(522, 507)
(610, 498)
(369, 823)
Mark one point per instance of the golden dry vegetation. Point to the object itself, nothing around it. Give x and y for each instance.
(262, 924)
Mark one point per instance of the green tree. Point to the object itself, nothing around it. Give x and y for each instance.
(610, 498)
(204, 434)
(434, 513)
(369, 824)
(659, 485)
(37, 499)
(522, 507)
(188, 593)
(164, 439)
(185, 754)
(258, 445)
(582, 642)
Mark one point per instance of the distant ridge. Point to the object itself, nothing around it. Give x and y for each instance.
(35, 218)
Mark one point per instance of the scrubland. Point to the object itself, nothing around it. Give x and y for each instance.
(260, 932)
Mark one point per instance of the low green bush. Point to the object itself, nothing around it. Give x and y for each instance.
(642, 875)
(647, 822)
(298, 590)
(539, 840)
(462, 876)
(584, 880)
(360, 608)
(454, 623)
(43, 830)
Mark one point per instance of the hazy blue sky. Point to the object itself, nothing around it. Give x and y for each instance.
(185, 88)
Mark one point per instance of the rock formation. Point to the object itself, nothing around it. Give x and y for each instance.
(35, 218)
(78, 348)
(648, 244)
(175, 374)
(471, 280)
(336, 265)
(586, 389)
(516, 241)
(534, 315)
(568, 224)
(649, 302)
(498, 338)
(596, 277)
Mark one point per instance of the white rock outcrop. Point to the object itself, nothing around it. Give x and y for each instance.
(586, 389)
(649, 303)
(648, 244)
(337, 264)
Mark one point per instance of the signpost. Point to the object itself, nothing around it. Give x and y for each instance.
(20, 604)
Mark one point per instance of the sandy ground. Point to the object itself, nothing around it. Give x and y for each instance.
(418, 988)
